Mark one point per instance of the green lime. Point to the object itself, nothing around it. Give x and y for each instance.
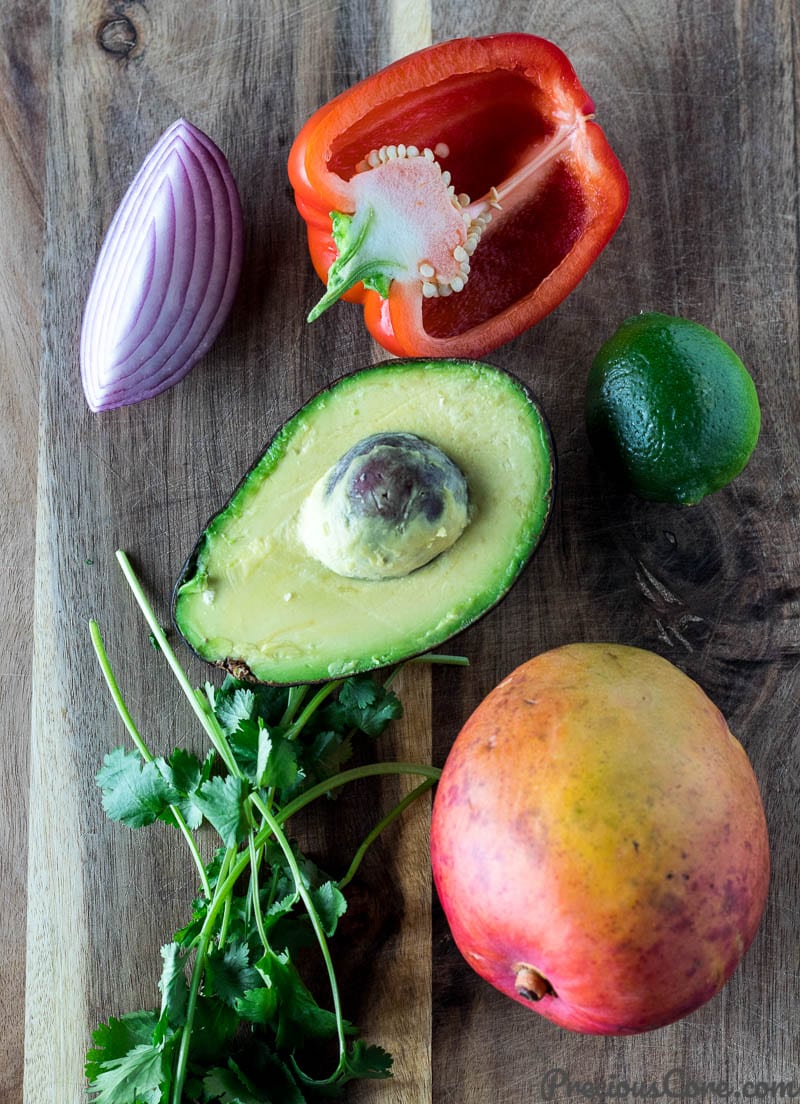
(671, 409)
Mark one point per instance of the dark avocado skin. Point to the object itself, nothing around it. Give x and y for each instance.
(236, 666)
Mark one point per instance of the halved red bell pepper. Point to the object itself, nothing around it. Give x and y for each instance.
(383, 176)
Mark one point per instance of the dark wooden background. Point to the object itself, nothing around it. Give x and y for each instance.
(700, 101)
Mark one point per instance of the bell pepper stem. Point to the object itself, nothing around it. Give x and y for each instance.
(354, 264)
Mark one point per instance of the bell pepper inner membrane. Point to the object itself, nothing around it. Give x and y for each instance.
(522, 247)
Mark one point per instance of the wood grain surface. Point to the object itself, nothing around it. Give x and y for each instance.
(23, 89)
(699, 99)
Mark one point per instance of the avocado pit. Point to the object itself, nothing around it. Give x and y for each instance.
(391, 504)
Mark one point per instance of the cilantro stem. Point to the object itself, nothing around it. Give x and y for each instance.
(191, 1004)
(295, 700)
(311, 794)
(221, 899)
(313, 915)
(273, 889)
(297, 713)
(231, 871)
(441, 660)
(228, 858)
(325, 691)
(116, 693)
(352, 775)
(431, 657)
(198, 704)
(142, 748)
(391, 816)
(255, 859)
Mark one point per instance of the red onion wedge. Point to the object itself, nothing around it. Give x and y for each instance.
(167, 272)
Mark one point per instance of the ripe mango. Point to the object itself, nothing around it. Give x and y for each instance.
(598, 841)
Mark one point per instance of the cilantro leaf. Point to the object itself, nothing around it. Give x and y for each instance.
(299, 1015)
(222, 801)
(264, 1067)
(359, 1060)
(365, 705)
(244, 742)
(134, 792)
(247, 702)
(248, 1018)
(277, 762)
(141, 1076)
(266, 756)
(186, 935)
(326, 755)
(173, 986)
(214, 867)
(358, 692)
(263, 752)
(330, 905)
(215, 1025)
(366, 1061)
(233, 708)
(289, 930)
(258, 1005)
(229, 973)
(184, 772)
(282, 906)
(231, 1086)
(270, 703)
(310, 874)
(117, 1037)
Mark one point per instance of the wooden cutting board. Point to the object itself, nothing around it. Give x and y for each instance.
(699, 101)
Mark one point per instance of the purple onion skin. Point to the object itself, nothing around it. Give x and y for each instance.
(167, 272)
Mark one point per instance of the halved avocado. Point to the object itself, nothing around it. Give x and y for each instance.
(254, 599)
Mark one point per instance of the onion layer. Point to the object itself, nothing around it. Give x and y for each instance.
(167, 272)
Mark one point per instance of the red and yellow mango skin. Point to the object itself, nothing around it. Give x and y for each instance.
(599, 842)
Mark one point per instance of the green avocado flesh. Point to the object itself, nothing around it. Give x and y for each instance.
(252, 597)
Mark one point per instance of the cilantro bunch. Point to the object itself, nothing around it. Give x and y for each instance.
(236, 1021)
